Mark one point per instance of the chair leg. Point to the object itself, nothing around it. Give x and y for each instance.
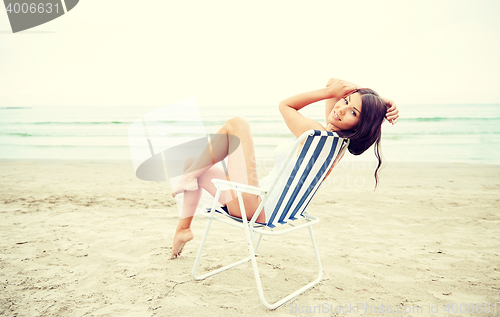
(200, 250)
(316, 253)
(258, 243)
(252, 250)
(297, 292)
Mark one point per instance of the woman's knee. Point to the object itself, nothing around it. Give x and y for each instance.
(237, 123)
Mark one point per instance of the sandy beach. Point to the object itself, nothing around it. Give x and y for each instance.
(87, 238)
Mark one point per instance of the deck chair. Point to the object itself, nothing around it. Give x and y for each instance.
(296, 182)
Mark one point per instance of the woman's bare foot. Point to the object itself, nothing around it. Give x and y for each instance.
(182, 236)
(185, 183)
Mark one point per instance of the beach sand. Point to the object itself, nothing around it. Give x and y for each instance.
(89, 238)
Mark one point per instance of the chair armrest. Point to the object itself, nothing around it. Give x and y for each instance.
(227, 185)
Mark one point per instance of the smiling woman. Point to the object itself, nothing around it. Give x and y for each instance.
(352, 112)
(346, 113)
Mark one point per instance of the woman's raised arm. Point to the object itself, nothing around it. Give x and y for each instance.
(295, 121)
(290, 107)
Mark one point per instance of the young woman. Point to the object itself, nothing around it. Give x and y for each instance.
(351, 111)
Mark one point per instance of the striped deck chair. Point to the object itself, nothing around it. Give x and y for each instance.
(296, 182)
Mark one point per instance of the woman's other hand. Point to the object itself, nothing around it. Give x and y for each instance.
(339, 89)
(392, 114)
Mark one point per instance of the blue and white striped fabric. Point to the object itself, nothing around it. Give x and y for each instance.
(303, 175)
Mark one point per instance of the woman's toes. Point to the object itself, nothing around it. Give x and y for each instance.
(181, 238)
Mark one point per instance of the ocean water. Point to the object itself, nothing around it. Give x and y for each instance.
(442, 133)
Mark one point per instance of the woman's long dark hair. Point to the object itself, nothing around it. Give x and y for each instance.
(369, 129)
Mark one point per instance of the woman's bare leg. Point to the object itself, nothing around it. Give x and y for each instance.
(183, 233)
(241, 163)
(241, 168)
(233, 140)
(220, 145)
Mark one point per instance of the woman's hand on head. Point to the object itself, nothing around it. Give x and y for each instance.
(392, 114)
(340, 88)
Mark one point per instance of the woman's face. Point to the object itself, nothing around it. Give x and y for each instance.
(346, 114)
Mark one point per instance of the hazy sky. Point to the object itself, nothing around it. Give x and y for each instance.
(252, 52)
